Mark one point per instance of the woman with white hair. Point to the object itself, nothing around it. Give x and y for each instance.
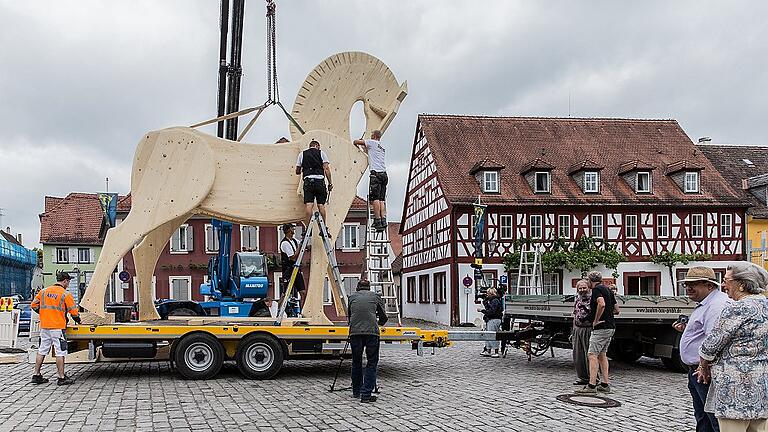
(735, 353)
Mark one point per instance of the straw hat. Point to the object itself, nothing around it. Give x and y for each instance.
(705, 274)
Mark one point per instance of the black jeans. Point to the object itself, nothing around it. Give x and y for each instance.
(705, 422)
(363, 385)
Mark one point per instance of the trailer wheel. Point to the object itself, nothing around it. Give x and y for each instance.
(259, 356)
(198, 356)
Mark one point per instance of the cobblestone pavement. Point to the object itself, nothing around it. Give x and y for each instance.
(455, 389)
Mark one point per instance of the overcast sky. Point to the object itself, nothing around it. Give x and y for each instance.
(81, 81)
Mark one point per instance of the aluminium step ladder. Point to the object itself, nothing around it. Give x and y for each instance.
(332, 263)
(378, 267)
(529, 273)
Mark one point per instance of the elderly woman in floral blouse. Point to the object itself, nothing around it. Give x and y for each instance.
(735, 353)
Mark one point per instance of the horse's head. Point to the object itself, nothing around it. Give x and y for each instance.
(332, 88)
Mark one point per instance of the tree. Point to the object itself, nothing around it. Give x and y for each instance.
(670, 259)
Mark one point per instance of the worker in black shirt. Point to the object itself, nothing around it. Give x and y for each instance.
(313, 165)
(602, 308)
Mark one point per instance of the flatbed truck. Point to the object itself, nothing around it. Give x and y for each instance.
(643, 326)
(198, 348)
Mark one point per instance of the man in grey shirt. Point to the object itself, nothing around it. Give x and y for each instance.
(363, 310)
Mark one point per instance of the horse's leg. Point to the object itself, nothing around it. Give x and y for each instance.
(117, 243)
(145, 256)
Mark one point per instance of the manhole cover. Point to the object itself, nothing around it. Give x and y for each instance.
(589, 401)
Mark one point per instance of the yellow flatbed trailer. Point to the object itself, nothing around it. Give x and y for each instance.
(198, 351)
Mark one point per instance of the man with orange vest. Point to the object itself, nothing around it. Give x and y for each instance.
(52, 304)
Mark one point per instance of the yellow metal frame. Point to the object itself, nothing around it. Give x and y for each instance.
(437, 338)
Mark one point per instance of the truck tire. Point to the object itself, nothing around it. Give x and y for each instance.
(198, 356)
(674, 363)
(625, 351)
(259, 356)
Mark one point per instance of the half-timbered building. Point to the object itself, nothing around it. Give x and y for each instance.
(641, 185)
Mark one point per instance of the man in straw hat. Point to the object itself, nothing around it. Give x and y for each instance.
(702, 287)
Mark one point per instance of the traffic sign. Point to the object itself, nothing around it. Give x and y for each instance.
(503, 279)
(467, 281)
(124, 276)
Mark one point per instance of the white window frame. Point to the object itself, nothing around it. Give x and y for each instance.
(345, 247)
(694, 225)
(561, 225)
(257, 234)
(691, 179)
(594, 182)
(170, 286)
(726, 228)
(659, 226)
(637, 182)
(531, 226)
(183, 238)
(551, 283)
(491, 181)
(215, 237)
(79, 259)
(592, 224)
(503, 225)
(630, 226)
(58, 255)
(548, 182)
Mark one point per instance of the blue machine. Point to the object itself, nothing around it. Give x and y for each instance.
(230, 286)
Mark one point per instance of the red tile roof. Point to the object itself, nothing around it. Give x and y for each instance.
(74, 219)
(459, 142)
(395, 239)
(359, 204)
(730, 161)
(586, 164)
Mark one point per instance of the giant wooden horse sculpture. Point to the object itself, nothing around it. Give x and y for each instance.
(180, 172)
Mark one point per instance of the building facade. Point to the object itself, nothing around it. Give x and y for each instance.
(69, 233)
(182, 266)
(18, 265)
(639, 185)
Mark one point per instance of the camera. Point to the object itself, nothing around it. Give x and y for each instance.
(682, 319)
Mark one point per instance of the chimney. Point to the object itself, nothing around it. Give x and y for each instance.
(705, 140)
(18, 239)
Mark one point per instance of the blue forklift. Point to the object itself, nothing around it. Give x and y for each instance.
(236, 290)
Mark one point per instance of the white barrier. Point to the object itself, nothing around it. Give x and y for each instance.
(9, 328)
(34, 328)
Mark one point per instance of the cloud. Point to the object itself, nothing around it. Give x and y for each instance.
(81, 81)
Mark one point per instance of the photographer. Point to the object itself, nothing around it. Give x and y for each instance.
(702, 287)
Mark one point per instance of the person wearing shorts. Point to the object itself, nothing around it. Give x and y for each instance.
(53, 304)
(377, 189)
(602, 308)
(314, 166)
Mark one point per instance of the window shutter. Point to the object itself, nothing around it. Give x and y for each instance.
(340, 239)
(209, 241)
(361, 236)
(190, 239)
(175, 240)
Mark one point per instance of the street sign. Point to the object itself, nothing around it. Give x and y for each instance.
(467, 281)
(478, 274)
(124, 276)
(503, 279)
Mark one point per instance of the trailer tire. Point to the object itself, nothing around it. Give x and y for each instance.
(259, 356)
(198, 356)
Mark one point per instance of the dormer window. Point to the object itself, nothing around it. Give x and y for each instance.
(491, 181)
(542, 182)
(487, 174)
(591, 182)
(692, 182)
(643, 182)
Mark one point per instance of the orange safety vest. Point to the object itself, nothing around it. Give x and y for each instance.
(52, 304)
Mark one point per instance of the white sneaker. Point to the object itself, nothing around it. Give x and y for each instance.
(495, 355)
